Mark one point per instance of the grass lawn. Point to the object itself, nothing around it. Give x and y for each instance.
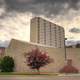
(36, 74)
(25, 73)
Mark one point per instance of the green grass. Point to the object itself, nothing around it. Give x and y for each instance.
(25, 73)
(35, 74)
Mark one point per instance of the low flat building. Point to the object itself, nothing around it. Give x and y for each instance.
(17, 48)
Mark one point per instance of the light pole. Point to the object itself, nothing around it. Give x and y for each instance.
(65, 48)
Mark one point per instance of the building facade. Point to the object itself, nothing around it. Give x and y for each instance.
(46, 33)
(17, 50)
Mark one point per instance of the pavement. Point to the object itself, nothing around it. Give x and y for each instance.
(37, 77)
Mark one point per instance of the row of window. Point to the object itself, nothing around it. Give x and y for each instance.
(45, 34)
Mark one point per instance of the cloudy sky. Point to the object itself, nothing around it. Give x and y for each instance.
(15, 17)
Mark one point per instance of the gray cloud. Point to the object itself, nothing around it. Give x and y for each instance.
(47, 7)
(74, 30)
(2, 2)
(12, 18)
(4, 43)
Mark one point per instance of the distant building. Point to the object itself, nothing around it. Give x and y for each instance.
(2, 51)
(47, 33)
(74, 46)
(78, 45)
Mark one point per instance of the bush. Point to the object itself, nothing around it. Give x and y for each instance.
(7, 64)
(69, 68)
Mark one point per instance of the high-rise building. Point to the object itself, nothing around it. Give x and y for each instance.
(47, 33)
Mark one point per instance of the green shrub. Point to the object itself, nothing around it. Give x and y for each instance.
(7, 64)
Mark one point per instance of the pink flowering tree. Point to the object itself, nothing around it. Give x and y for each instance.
(37, 59)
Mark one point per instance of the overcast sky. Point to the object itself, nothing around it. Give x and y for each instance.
(15, 17)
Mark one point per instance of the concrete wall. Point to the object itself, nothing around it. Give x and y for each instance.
(17, 49)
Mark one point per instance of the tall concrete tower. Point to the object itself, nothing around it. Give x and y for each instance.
(47, 33)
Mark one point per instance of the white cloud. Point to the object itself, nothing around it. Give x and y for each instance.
(16, 26)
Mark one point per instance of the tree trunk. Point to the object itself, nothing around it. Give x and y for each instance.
(38, 71)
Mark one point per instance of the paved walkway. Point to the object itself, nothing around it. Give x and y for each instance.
(77, 77)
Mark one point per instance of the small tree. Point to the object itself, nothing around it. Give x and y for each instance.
(37, 59)
(7, 64)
